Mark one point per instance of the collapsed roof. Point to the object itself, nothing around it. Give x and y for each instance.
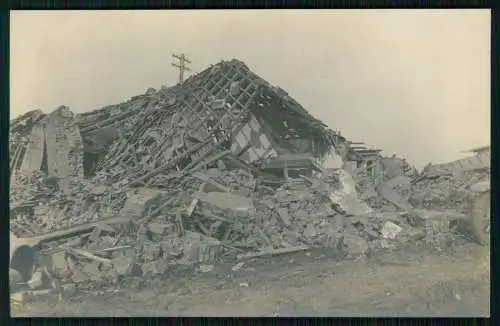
(225, 107)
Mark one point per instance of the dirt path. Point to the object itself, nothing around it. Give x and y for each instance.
(403, 283)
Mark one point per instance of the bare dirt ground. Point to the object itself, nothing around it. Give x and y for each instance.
(407, 282)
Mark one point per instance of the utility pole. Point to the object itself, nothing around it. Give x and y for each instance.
(182, 65)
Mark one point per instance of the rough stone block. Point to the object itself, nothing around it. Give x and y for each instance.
(36, 280)
(60, 267)
(355, 245)
(138, 202)
(202, 249)
(92, 269)
(68, 290)
(124, 265)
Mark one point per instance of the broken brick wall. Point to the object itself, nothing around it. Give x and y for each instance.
(64, 147)
(35, 148)
(19, 138)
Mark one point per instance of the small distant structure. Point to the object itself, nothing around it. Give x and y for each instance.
(479, 161)
(362, 157)
(479, 150)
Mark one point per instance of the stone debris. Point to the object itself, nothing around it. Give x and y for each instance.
(68, 290)
(355, 245)
(237, 267)
(206, 268)
(201, 249)
(123, 265)
(36, 280)
(58, 265)
(223, 166)
(92, 270)
(390, 230)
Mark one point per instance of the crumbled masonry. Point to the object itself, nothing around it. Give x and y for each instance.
(224, 166)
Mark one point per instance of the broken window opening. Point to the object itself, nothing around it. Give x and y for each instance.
(90, 161)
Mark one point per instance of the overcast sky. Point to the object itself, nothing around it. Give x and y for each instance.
(412, 82)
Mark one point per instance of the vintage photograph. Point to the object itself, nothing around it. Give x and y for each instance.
(257, 163)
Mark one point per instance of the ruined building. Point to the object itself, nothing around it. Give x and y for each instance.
(225, 107)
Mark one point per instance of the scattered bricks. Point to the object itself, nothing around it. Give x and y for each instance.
(79, 277)
(106, 267)
(153, 268)
(284, 217)
(112, 276)
(59, 265)
(301, 215)
(172, 245)
(131, 252)
(98, 190)
(338, 222)
(384, 244)
(55, 284)
(138, 202)
(332, 236)
(36, 280)
(142, 235)
(355, 245)
(214, 174)
(415, 234)
(67, 290)
(390, 230)
(159, 229)
(201, 248)
(151, 251)
(124, 266)
(206, 268)
(294, 206)
(276, 240)
(371, 233)
(348, 203)
(237, 267)
(147, 269)
(291, 238)
(227, 201)
(92, 270)
(310, 231)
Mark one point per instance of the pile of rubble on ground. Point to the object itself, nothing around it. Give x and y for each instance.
(223, 166)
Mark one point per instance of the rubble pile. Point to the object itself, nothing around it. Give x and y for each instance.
(444, 191)
(223, 166)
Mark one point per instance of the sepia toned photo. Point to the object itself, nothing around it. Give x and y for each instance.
(256, 163)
